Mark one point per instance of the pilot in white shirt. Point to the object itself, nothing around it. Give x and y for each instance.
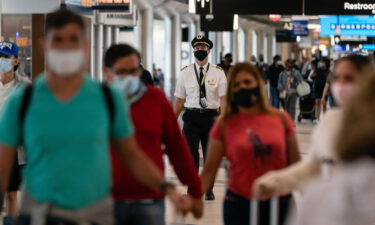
(200, 90)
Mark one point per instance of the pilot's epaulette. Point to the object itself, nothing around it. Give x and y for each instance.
(218, 67)
(183, 68)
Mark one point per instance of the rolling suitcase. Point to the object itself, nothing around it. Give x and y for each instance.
(254, 211)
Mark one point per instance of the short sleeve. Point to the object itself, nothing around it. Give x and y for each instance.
(9, 119)
(222, 84)
(180, 88)
(290, 127)
(122, 127)
(217, 131)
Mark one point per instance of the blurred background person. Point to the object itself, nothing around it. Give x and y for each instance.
(273, 74)
(348, 72)
(349, 197)
(319, 84)
(9, 81)
(287, 84)
(226, 64)
(242, 136)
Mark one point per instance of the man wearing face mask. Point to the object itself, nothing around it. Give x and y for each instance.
(65, 122)
(9, 80)
(155, 125)
(200, 89)
(227, 63)
(273, 74)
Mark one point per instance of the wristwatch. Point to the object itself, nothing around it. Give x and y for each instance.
(164, 186)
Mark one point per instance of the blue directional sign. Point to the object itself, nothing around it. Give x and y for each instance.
(349, 25)
(300, 28)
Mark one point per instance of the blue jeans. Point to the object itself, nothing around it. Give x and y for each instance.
(140, 212)
(275, 100)
(237, 210)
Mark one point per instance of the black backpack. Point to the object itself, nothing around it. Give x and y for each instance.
(26, 99)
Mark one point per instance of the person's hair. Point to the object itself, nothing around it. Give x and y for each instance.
(61, 18)
(118, 51)
(230, 107)
(276, 57)
(15, 68)
(360, 62)
(228, 55)
(357, 136)
(315, 63)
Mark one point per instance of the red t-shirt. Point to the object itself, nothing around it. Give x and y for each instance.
(254, 145)
(155, 124)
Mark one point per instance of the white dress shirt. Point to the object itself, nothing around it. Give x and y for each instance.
(188, 88)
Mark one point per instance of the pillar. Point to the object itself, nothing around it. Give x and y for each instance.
(234, 47)
(146, 38)
(99, 52)
(176, 49)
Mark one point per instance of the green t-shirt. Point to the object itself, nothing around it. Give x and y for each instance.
(67, 143)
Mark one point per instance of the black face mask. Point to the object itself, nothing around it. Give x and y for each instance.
(246, 97)
(200, 54)
(230, 60)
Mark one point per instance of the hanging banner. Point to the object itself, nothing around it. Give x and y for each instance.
(125, 6)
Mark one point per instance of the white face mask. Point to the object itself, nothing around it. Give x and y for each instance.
(65, 62)
(279, 63)
(5, 65)
(129, 84)
(343, 93)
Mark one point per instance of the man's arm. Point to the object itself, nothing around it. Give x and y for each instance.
(7, 157)
(222, 103)
(178, 106)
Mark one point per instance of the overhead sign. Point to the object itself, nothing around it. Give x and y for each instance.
(300, 28)
(114, 5)
(255, 7)
(117, 19)
(285, 36)
(348, 25)
(84, 3)
(217, 23)
(340, 7)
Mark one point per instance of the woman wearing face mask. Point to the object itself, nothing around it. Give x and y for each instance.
(347, 72)
(243, 135)
(287, 85)
(353, 183)
(155, 125)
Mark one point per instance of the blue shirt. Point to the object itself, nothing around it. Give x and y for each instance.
(66, 142)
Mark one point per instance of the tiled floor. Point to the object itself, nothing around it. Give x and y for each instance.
(213, 209)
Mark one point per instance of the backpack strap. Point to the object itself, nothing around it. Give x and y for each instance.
(109, 103)
(25, 103)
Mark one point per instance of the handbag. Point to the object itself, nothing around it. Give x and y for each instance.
(303, 89)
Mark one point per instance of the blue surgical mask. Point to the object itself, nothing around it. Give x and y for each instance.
(279, 63)
(5, 65)
(321, 65)
(129, 84)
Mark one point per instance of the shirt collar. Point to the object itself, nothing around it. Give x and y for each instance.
(204, 67)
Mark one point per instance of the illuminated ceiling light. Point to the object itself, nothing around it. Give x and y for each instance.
(192, 7)
(275, 17)
(203, 2)
(235, 22)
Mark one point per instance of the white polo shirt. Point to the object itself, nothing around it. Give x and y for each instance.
(188, 88)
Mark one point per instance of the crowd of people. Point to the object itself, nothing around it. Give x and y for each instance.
(92, 153)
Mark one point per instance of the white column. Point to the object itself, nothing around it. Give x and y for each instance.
(115, 34)
(107, 37)
(219, 44)
(270, 47)
(250, 47)
(234, 41)
(99, 52)
(192, 34)
(168, 56)
(176, 49)
(260, 44)
(214, 53)
(147, 40)
(246, 45)
(92, 48)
